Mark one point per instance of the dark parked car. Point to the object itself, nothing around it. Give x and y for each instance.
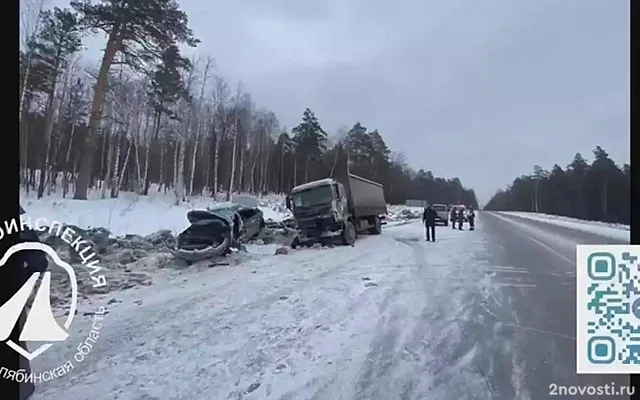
(216, 230)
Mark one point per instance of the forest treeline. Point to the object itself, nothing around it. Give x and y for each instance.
(600, 191)
(149, 115)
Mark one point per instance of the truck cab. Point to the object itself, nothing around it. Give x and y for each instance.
(320, 208)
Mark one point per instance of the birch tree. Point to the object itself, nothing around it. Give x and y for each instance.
(221, 96)
(30, 17)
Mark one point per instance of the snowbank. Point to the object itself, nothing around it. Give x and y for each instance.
(131, 213)
(132, 235)
(615, 231)
(398, 214)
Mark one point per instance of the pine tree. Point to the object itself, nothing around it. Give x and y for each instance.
(597, 191)
(310, 140)
(140, 31)
(59, 37)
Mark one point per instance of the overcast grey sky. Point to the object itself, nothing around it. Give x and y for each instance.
(482, 90)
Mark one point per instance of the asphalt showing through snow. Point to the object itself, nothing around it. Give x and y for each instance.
(488, 314)
(539, 312)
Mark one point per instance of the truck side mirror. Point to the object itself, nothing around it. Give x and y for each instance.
(288, 201)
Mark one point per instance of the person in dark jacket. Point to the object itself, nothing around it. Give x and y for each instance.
(29, 262)
(429, 220)
(471, 217)
(460, 218)
(453, 217)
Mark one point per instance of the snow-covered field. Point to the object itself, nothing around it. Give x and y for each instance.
(321, 323)
(615, 231)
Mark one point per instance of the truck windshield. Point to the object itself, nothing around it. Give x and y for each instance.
(439, 207)
(313, 197)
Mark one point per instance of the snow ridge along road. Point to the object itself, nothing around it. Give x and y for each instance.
(476, 315)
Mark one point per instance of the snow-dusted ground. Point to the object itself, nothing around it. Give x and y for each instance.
(615, 231)
(380, 320)
(140, 229)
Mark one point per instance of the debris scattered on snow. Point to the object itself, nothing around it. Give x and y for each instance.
(253, 387)
(132, 260)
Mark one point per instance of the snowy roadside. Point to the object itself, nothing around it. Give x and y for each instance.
(400, 215)
(614, 231)
(131, 213)
(135, 260)
(316, 323)
(132, 235)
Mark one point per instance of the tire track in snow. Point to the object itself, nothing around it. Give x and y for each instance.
(150, 335)
(356, 327)
(445, 348)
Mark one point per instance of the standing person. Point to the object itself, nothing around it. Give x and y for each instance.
(471, 216)
(429, 220)
(453, 217)
(460, 218)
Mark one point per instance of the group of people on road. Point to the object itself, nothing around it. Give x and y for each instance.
(459, 215)
(456, 215)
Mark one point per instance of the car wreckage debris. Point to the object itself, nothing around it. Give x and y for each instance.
(221, 230)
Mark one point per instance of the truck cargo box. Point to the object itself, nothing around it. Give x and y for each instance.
(366, 198)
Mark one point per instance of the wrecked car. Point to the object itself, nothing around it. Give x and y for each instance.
(215, 231)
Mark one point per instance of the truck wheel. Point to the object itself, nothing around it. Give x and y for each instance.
(349, 234)
(377, 228)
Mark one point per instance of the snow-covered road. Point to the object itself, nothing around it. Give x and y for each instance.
(382, 319)
(487, 314)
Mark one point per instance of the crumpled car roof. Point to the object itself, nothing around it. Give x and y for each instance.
(223, 212)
